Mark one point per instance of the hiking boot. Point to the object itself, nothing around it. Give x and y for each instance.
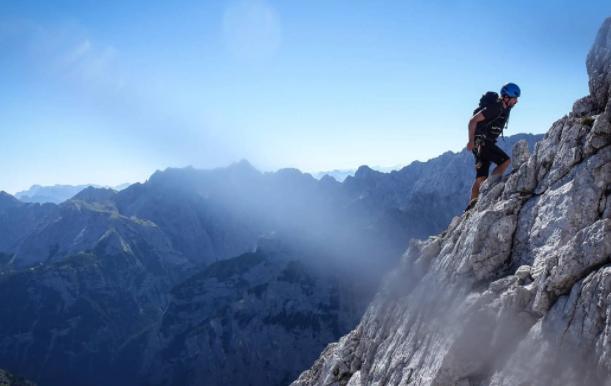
(471, 204)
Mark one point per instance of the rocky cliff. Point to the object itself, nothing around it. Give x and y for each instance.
(515, 292)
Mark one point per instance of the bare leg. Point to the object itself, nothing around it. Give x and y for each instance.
(500, 169)
(475, 188)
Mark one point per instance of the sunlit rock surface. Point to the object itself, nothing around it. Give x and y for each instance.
(515, 292)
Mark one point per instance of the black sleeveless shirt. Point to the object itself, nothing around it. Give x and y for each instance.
(496, 117)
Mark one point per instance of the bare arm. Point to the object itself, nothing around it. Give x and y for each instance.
(477, 118)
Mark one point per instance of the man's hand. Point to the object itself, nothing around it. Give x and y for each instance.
(470, 146)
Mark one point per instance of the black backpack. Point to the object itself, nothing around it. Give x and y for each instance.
(488, 99)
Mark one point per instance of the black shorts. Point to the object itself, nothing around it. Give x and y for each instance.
(488, 152)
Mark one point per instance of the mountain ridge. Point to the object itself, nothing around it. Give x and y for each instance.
(57, 194)
(114, 258)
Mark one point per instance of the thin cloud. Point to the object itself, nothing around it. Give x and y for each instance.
(61, 50)
(252, 30)
(78, 53)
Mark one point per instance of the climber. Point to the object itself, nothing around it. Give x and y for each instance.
(488, 122)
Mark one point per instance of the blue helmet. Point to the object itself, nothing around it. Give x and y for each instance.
(511, 90)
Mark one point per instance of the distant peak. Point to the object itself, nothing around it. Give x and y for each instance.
(365, 171)
(328, 179)
(92, 194)
(7, 199)
(5, 196)
(290, 171)
(242, 164)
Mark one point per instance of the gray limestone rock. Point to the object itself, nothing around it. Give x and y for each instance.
(523, 272)
(599, 66)
(523, 180)
(519, 154)
(571, 344)
(583, 106)
(600, 135)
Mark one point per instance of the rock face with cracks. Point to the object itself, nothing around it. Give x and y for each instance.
(515, 292)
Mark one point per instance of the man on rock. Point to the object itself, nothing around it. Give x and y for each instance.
(487, 123)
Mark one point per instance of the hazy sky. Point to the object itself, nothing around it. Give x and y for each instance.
(109, 91)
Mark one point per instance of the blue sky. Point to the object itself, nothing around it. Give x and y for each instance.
(108, 92)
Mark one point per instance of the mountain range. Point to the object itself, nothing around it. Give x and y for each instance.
(57, 193)
(196, 275)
